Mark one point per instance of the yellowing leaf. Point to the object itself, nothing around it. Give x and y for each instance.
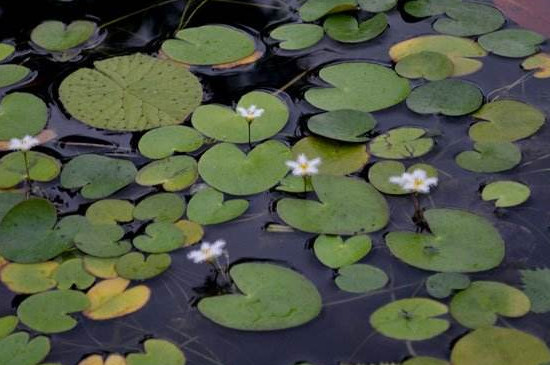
(539, 62)
(114, 359)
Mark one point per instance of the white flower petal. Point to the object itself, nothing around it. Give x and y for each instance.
(419, 174)
(302, 159)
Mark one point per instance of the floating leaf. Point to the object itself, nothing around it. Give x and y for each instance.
(71, 272)
(294, 184)
(377, 6)
(342, 125)
(113, 359)
(432, 66)
(131, 93)
(110, 211)
(208, 207)
(156, 352)
(490, 157)
(111, 299)
(347, 206)
(98, 176)
(514, 43)
(9, 199)
(401, 143)
(162, 207)
(159, 238)
(6, 50)
(460, 242)
(346, 29)
(134, 266)
(7, 325)
(29, 278)
(193, 231)
(274, 298)
(53, 35)
(316, 9)
(359, 86)
(48, 312)
(536, 285)
(360, 278)
(297, 36)
(442, 285)
(165, 141)
(425, 360)
(103, 268)
(101, 240)
(174, 173)
(506, 193)
(228, 169)
(13, 168)
(424, 8)
(381, 172)
(468, 19)
(19, 349)
(506, 120)
(12, 74)
(539, 62)
(410, 319)
(333, 252)
(498, 346)
(22, 114)
(209, 45)
(225, 124)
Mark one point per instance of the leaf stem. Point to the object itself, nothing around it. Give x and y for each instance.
(28, 174)
(111, 22)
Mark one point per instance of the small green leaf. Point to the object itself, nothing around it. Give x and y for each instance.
(110, 211)
(6, 50)
(12, 74)
(402, 143)
(506, 193)
(156, 352)
(7, 325)
(53, 35)
(490, 157)
(161, 207)
(514, 43)
(134, 266)
(159, 238)
(381, 172)
(536, 285)
(432, 66)
(442, 285)
(424, 8)
(19, 349)
(174, 173)
(208, 207)
(297, 36)
(342, 125)
(316, 9)
(346, 29)
(377, 6)
(467, 19)
(165, 141)
(333, 252)
(360, 278)
(71, 272)
(13, 168)
(22, 114)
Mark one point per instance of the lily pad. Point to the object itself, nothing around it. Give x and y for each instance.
(506, 120)
(402, 143)
(29, 278)
(483, 301)
(157, 351)
(460, 242)
(442, 285)
(425, 8)
(7, 325)
(346, 28)
(294, 184)
(333, 252)
(448, 97)
(228, 169)
(13, 169)
(22, 114)
(539, 62)
(111, 299)
(48, 312)
(432, 66)
(165, 141)
(131, 93)
(467, 19)
(316, 9)
(101, 240)
(342, 125)
(53, 35)
(360, 278)
(134, 266)
(425, 360)
(359, 86)
(193, 231)
(174, 173)
(224, 124)
(101, 267)
(208, 207)
(514, 43)
(12, 74)
(110, 211)
(536, 285)
(490, 157)
(497, 346)
(113, 359)
(381, 172)
(18, 348)
(412, 319)
(159, 238)
(297, 36)
(71, 272)
(209, 45)
(98, 176)
(347, 206)
(506, 193)
(377, 6)
(8, 200)
(273, 298)
(459, 50)
(161, 207)
(6, 50)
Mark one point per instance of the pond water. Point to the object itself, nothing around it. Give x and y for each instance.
(342, 332)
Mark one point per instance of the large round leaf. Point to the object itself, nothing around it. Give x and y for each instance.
(53, 35)
(402, 143)
(490, 157)
(346, 29)
(468, 19)
(21, 114)
(515, 43)
(448, 97)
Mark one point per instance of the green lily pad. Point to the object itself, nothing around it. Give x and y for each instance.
(71, 272)
(294, 184)
(342, 125)
(347, 206)
(498, 346)
(209, 45)
(53, 35)
(133, 93)
(162, 207)
(297, 36)
(346, 28)
(13, 170)
(377, 6)
(468, 19)
(448, 97)
(100, 240)
(8, 200)
(359, 86)
(536, 285)
(442, 285)
(334, 253)
(22, 114)
(28, 233)
(459, 50)
(490, 157)
(49, 312)
(157, 351)
(360, 278)
(29, 278)
(228, 169)
(425, 360)
(540, 63)
(483, 301)
(6, 50)
(134, 266)
(425, 8)
(412, 319)
(460, 242)
(97, 176)
(225, 124)
(273, 298)
(110, 211)
(316, 9)
(174, 173)
(7, 325)
(514, 43)
(159, 238)
(506, 193)
(165, 141)
(19, 349)
(381, 172)
(402, 143)
(12, 74)
(432, 66)
(208, 207)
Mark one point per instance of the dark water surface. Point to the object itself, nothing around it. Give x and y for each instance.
(342, 331)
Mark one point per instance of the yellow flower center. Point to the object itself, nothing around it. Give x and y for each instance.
(304, 166)
(418, 183)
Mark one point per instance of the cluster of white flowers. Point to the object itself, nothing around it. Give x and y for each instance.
(417, 181)
(207, 252)
(250, 113)
(24, 144)
(304, 167)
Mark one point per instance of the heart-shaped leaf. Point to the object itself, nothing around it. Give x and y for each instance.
(7, 325)
(19, 349)
(316, 9)
(113, 359)
(193, 231)
(159, 238)
(110, 211)
(29, 278)
(381, 172)
(424, 8)
(161, 207)
(164, 141)
(402, 143)
(536, 285)
(173, 173)
(442, 285)
(360, 278)
(468, 19)
(157, 351)
(297, 36)
(333, 252)
(101, 267)
(53, 35)
(432, 66)
(134, 266)
(514, 43)
(342, 125)
(21, 114)
(346, 29)
(13, 168)
(377, 6)
(539, 62)
(208, 207)
(490, 157)
(506, 193)
(71, 272)
(12, 74)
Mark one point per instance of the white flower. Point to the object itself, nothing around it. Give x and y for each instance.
(207, 252)
(417, 181)
(304, 167)
(24, 144)
(250, 113)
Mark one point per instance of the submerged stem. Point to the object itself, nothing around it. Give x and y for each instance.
(27, 174)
